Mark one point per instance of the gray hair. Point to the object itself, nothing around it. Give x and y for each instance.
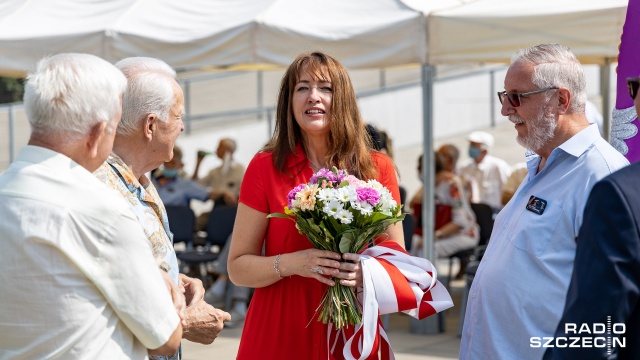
(150, 91)
(71, 93)
(556, 65)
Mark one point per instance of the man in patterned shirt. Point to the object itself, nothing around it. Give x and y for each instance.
(153, 105)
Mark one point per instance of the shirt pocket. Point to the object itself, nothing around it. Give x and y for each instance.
(536, 231)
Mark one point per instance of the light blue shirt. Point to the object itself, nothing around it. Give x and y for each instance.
(520, 288)
(179, 192)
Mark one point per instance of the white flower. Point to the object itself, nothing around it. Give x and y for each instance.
(332, 208)
(326, 194)
(295, 204)
(388, 206)
(385, 200)
(365, 208)
(345, 216)
(374, 184)
(346, 194)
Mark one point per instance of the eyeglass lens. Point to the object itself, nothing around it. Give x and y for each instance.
(514, 99)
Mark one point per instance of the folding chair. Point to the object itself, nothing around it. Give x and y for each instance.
(182, 222)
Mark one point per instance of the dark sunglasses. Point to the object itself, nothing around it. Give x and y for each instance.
(515, 99)
(633, 84)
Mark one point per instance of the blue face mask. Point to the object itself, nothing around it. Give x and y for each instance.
(474, 152)
(170, 173)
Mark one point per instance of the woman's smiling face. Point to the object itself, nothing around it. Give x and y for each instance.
(312, 103)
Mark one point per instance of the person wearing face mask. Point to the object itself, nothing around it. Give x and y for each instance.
(173, 188)
(520, 287)
(487, 174)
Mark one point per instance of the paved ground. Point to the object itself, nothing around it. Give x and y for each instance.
(406, 345)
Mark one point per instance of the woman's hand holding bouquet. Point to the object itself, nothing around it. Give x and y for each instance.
(341, 214)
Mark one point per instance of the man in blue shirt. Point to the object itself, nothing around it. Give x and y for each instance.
(174, 189)
(519, 290)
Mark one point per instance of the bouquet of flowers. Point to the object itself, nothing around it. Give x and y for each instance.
(341, 213)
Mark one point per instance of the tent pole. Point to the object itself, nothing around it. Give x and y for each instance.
(12, 134)
(187, 107)
(259, 95)
(605, 92)
(433, 324)
(492, 102)
(427, 162)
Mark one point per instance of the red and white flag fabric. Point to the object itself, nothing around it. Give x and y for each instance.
(393, 281)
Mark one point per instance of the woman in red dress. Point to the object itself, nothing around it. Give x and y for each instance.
(318, 126)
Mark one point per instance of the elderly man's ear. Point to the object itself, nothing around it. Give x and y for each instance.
(150, 125)
(96, 136)
(564, 99)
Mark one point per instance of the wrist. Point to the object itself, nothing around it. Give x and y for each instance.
(438, 234)
(276, 266)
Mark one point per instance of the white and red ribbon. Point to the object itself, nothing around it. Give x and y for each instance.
(393, 281)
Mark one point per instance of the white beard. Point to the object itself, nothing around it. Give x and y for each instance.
(541, 129)
(226, 163)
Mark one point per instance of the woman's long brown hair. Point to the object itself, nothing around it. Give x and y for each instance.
(349, 142)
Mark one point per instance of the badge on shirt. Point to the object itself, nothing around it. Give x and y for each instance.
(536, 205)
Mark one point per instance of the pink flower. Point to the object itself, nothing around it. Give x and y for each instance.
(369, 195)
(352, 180)
(292, 194)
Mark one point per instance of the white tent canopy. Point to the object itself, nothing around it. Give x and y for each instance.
(491, 30)
(191, 34)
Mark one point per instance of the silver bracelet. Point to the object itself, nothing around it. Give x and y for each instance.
(275, 266)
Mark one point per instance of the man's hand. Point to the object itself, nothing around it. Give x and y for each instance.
(177, 295)
(193, 289)
(204, 323)
(230, 198)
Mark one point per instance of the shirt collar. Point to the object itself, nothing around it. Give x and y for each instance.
(296, 159)
(582, 141)
(46, 157)
(54, 161)
(126, 174)
(575, 146)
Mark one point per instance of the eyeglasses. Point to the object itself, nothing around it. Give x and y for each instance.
(633, 84)
(515, 99)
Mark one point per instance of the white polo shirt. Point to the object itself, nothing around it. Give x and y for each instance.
(487, 179)
(78, 278)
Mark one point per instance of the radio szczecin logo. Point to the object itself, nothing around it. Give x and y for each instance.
(597, 335)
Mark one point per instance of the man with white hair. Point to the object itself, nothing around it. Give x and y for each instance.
(75, 263)
(519, 290)
(487, 174)
(152, 110)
